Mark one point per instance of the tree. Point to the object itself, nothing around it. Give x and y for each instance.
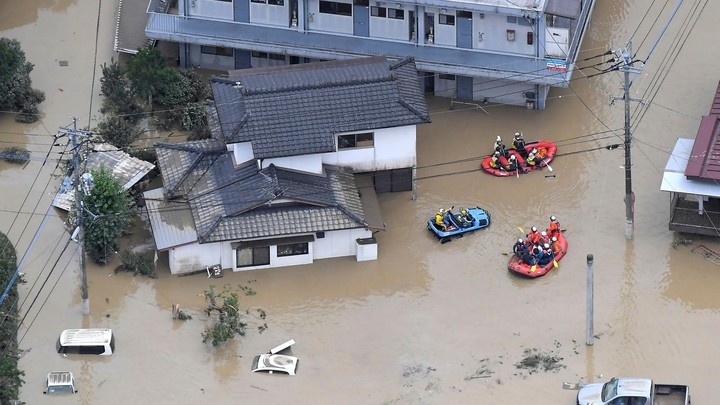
(10, 375)
(118, 131)
(119, 96)
(147, 71)
(225, 306)
(16, 92)
(106, 215)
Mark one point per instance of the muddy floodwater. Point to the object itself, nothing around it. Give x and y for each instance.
(426, 323)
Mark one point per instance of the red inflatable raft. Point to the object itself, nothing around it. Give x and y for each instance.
(516, 264)
(546, 153)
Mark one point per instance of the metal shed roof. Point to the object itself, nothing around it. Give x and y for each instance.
(674, 179)
(171, 222)
(705, 158)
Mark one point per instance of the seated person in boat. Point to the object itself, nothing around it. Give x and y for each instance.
(464, 219)
(554, 227)
(499, 147)
(440, 220)
(468, 216)
(494, 162)
(512, 164)
(546, 255)
(556, 248)
(519, 144)
(519, 248)
(532, 159)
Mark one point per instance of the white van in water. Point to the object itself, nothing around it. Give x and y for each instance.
(86, 341)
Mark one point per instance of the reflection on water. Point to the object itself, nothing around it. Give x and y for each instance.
(418, 324)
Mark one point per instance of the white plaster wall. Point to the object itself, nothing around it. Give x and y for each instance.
(445, 34)
(242, 152)
(339, 243)
(184, 259)
(494, 28)
(444, 88)
(265, 62)
(394, 148)
(501, 91)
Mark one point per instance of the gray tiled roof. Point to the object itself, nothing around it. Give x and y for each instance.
(181, 164)
(239, 206)
(297, 109)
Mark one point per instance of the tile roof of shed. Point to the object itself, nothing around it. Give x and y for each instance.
(704, 163)
(297, 109)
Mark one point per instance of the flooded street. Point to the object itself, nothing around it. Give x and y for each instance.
(426, 323)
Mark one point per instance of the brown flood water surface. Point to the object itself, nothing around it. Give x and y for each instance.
(426, 323)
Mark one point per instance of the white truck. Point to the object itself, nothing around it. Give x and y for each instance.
(633, 391)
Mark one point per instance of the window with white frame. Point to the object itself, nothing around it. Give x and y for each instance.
(252, 256)
(362, 140)
(292, 249)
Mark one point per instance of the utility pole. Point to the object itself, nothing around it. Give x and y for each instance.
(625, 59)
(78, 234)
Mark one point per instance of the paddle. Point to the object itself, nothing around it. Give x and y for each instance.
(547, 165)
(521, 230)
(555, 263)
(532, 269)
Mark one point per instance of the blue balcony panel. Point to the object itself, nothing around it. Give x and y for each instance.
(328, 45)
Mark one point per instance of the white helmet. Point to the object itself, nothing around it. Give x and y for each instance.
(554, 239)
(546, 246)
(533, 151)
(552, 217)
(498, 138)
(520, 241)
(513, 157)
(531, 156)
(534, 229)
(517, 134)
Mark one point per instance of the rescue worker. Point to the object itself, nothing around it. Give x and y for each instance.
(511, 164)
(556, 248)
(544, 238)
(519, 248)
(532, 159)
(554, 228)
(519, 144)
(467, 215)
(530, 256)
(499, 147)
(440, 220)
(494, 163)
(461, 219)
(546, 255)
(533, 237)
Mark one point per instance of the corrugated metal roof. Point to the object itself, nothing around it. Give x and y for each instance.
(131, 20)
(563, 8)
(171, 222)
(705, 158)
(674, 179)
(126, 169)
(297, 109)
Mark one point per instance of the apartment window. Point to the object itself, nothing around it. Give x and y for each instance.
(225, 1)
(258, 1)
(378, 12)
(293, 249)
(262, 55)
(253, 256)
(512, 20)
(447, 77)
(396, 14)
(364, 140)
(215, 50)
(276, 56)
(276, 2)
(446, 19)
(333, 7)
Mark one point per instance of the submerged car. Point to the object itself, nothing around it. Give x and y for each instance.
(272, 362)
(59, 382)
